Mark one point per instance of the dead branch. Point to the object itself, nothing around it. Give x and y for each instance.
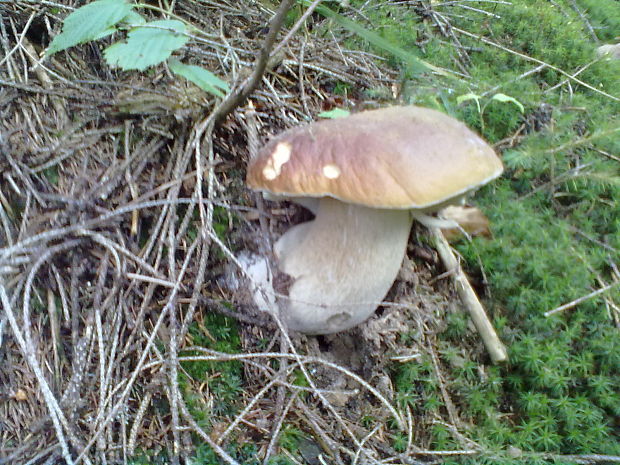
(243, 91)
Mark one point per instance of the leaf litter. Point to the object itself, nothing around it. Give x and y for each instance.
(120, 214)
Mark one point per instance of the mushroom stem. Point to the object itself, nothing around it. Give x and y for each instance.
(343, 264)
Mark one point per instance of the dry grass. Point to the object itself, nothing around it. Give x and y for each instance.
(109, 251)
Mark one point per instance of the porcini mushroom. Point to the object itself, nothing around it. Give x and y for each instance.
(364, 177)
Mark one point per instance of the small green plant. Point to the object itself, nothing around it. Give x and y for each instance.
(51, 174)
(148, 43)
(290, 437)
(499, 97)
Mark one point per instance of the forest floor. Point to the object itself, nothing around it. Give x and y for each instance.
(124, 214)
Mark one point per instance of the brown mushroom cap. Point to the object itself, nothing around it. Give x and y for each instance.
(397, 157)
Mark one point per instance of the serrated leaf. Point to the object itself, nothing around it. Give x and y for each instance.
(89, 22)
(335, 113)
(147, 45)
(508, 98)
(203, 78)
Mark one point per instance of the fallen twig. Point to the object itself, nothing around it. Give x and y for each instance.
(536, 60)
(237, 96)
(494, 346)
(581, 299)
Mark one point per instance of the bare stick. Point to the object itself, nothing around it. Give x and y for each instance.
(586, 458)
(196, 427)
(237, 96)
(275, 432)
(50, 399)
(296, 26)
(494, 346)
(585, 21)
(581, 299)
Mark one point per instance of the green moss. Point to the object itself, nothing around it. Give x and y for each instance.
(150, 457)
(246, 453)
(290, 437)
(603, 16)
(243, 453)
(51, 174)
(550, 213)
(225, 379)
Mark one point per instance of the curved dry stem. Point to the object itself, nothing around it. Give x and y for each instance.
(54, 408)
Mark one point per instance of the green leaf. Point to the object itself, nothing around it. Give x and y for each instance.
(464, 98)
(471, 96)
(203, 78)
(508, 98)
(88, 23)
(105, 33)
(134, 19)
(335, 113)
(147, 45)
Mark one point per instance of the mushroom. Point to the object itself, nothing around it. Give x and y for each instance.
(364, 177)
(610, 51)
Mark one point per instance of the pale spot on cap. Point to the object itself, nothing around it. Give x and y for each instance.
(281, 154)
(269, 173)
(331, 171)
(278, 158)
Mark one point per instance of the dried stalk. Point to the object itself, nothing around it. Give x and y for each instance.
(494, 346)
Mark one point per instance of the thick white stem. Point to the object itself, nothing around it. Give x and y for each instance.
(343, 264)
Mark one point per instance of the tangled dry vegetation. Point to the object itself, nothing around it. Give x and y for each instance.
(122, 207)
